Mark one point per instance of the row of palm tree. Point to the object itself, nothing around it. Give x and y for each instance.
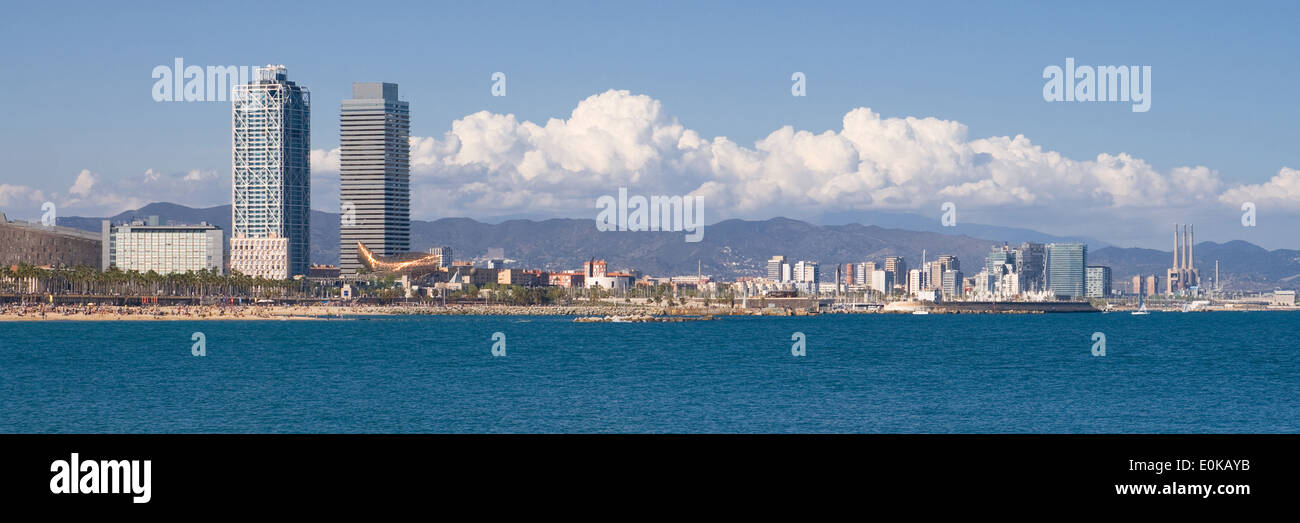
(88, 281)
(84, 280)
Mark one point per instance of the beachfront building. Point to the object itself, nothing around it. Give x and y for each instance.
(374, 173)
(260, 257)
(526, 278)
(596, 274)
(164, 249)
(568, 279)
(47, 245)
(271, 169)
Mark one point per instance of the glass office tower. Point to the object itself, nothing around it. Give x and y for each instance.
(375, 174)
(1066, 273)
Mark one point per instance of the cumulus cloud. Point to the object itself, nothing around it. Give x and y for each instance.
(197, 175)
(1281, 192)
(85, 182)
(87, 195)
(324, 161)
(489, 164)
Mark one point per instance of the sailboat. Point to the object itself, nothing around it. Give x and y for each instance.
(1142, 306)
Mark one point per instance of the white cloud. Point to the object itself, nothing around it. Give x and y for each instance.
(1281, 192)
(196, 175)
(489, 164)
(88, 197)
(92, 194)
(325, 161)
(21, 200)
(85, 182)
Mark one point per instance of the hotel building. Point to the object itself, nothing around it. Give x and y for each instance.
(271, 166)
(164, 249)
(47, 245)
(260, 257)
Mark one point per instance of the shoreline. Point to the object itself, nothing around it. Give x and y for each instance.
(305, 312)
(33, 313)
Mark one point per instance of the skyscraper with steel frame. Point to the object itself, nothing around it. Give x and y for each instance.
(271, 200)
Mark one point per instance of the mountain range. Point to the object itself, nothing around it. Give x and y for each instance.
(733, 248)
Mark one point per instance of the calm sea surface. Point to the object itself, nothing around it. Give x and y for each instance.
(1166, 372)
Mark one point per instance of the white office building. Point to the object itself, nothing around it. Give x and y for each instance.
(915, 281)
(444, 255)
(164, 249)
(882, 281)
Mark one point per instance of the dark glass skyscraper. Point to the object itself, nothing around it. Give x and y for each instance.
(1031, 265)
(1066, 269)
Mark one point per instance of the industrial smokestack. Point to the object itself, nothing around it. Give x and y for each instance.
(1184, 246)
(1191, 247)
(1175, 247)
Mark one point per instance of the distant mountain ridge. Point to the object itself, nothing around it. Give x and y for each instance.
(733, 248)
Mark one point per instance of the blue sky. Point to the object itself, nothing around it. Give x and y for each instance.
(77, 97)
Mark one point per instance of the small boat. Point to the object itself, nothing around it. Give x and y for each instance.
(1142, 307)
(920, 312)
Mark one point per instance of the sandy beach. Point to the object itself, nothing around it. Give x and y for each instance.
(293, 312)
(137, 313)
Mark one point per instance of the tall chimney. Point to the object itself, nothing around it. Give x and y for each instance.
(1191, 248)
(1185, 246)
(1175, 247)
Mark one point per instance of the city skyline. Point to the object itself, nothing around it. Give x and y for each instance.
(230, 232)
(1158, 167)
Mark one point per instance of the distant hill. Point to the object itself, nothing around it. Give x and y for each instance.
(180, 214)
(916, 222)
(733, 248)
(729, 249)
